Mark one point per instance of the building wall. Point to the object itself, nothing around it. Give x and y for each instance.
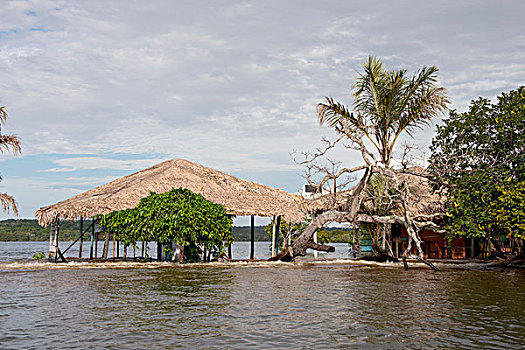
(434, 245)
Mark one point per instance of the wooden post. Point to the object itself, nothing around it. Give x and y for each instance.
(252, 235)
(159, 251)
(277, 230)
(114, 247)
(471, 247)
(230, 247)
(274, 227)
(359, 243)
(92, 239)
(353, 242)
(118, 249)
(106, 246)
(81, 230)
(124, 255)
(53, 241)
(315, 241)
(96, 241)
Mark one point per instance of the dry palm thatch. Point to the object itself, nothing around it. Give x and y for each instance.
(423, 202)
(240, 197)
(8, 204)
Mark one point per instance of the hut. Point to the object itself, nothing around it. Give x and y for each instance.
(423, 203)
(240, 197)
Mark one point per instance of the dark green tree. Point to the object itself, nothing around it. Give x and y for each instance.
(478, 158)
(180, 216)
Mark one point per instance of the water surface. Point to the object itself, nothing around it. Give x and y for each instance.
(330, 305)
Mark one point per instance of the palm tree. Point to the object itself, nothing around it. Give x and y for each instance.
(8, 142)
(387, 103)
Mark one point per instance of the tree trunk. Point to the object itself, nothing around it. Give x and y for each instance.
(181, 255)
(106, 247)
(304, 241)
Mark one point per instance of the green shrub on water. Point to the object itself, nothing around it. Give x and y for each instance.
(39, 256)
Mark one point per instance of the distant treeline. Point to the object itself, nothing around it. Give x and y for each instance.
(29, 230)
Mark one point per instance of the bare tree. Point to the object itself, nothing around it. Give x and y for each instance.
(386, 105)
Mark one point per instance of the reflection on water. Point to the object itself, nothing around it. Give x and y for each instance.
(267, 305)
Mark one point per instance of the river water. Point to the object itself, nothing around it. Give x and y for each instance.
(322, 305)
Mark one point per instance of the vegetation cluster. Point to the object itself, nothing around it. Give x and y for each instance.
(179, 216)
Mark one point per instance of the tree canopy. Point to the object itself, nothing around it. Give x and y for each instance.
(178, 216)
(478, 158)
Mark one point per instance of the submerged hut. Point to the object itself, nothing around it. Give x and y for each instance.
(240, 197)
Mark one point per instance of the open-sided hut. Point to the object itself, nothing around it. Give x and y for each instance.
(240, 197)
(423, 203)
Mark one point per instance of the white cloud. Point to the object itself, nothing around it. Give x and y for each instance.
(92, 163)
(231, 85)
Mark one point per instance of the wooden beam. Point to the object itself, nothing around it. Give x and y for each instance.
(252, 237)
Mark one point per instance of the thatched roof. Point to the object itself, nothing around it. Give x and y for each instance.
(240, 197)
(422, 199)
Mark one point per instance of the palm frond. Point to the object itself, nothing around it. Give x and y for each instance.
(333, 113)
(8, 204)
(10, 141)
(3, 115)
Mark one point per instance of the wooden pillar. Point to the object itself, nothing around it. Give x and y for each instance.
(277, 230)
(471, 247)
(114, 247)
(106, 246)
(118, 249)
(359, 243)
(53, 241)
(252, 237)
(125, 253)
(96, 241)
(92, 239)
(230, 247)
(315, 241)
(353, 242)
(274, 227)
(81, 230)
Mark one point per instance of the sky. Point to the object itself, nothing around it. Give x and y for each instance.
(97, 90)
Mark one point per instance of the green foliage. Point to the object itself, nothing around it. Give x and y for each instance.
(386, 104)
(179, 215)
(39, 256)
(243, 233)
(480, 156)
(29, 230)
(327, 235)
(285, 229)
